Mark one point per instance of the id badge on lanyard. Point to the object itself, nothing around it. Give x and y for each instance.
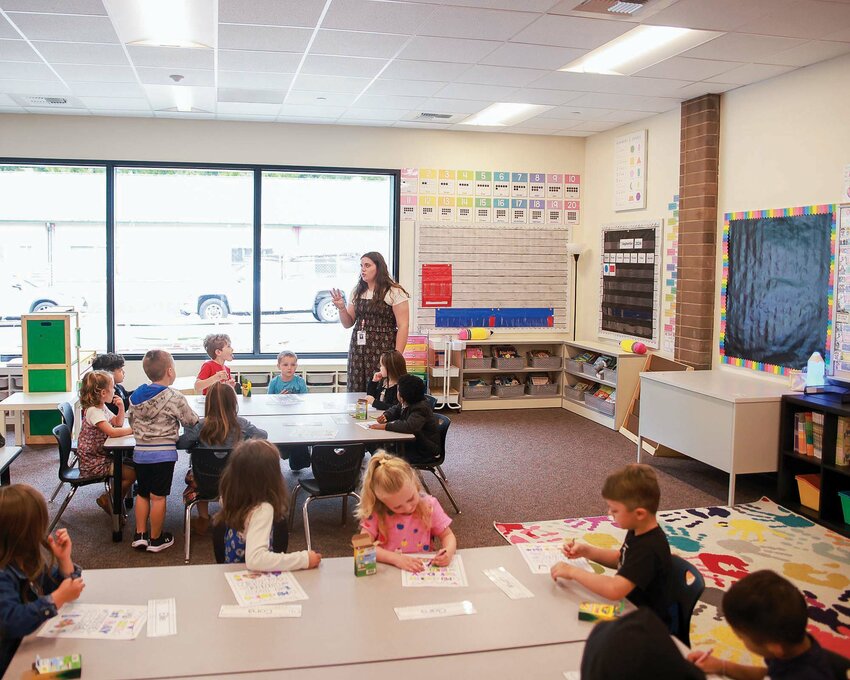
(361, 338)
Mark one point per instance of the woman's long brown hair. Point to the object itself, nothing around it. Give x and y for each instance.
(383, 280)
(252, 476)
(220, 421)
(23, 531)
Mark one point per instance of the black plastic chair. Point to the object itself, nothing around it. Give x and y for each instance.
(206, 470)
(433, 466)
(70, 475)
(67, 412)
(280, 539)
(432, 400)
(687, 587)
(336, 474)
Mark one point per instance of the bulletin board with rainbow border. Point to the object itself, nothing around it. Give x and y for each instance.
(777, 287)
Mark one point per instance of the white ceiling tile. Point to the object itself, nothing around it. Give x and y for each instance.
(270, 12)
(25, 70)
(580, 113)
(321, 98)
(605, 100)
(47, 88)
(533, 56)
(162, 76)
(838, 36)
(308, 111)
(247, 109)
(172, 57)
(595, 82)
(448, 49)
(574, 133)
(526, 130)
(259, 81)
(539, 123)
(423, 70)
(125, 113)
(56, 6)
(389, 101)
(740, 47)
(116, 104)
(6, 30)
(572, 31)
(364, 123)
(82, 53)
(699, 89)
(57, 112)
(417, 88)
(263, 38)
(162, 98)
(420, 126)
(500, 75)
(247, 96)
(384, 17)
(268, 62)
(800, 19)
(253, 118)
(185, 115)
(437, 105)
(305, 120)
(17, 50)
(716, 15)
(312, 83)
(527, 5)
(487, 93)
(595, 126)
(565, 6)
(71, 28)
(469, 22)
(530, 95)
(326, 65)
(357, 44)
(622, 116)
(374, 114)
(107, 90)
(751, 73)
(685, 68)
(96, 73)
(7, 101)
(810, 53)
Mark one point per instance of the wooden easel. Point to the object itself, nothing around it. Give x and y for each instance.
(629, 428)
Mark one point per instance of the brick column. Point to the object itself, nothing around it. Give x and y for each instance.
(698, 163)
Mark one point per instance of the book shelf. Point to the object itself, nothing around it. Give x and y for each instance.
(833, 478)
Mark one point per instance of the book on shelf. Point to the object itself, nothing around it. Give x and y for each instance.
(810, 434)
(474, 353)
(817, 427)
(539, 354)
(842, 441)
(538, 380)
(586, 357)
(604, 392)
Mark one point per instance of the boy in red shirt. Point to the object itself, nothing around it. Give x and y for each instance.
(219, 350)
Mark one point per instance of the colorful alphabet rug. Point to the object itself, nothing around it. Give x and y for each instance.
(725, 544)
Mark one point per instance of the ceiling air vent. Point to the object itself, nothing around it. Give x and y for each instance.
(434, 117)
(45, 101)
(611, 6)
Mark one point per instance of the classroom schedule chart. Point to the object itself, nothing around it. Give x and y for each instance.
(343, 621)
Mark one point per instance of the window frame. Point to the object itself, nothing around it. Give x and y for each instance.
(257, 170)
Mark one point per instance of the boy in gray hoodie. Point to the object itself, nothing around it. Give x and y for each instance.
(156, 413)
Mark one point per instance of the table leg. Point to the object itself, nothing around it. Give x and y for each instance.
(640, 447)
(19, 428)
(5, 478)
(731, 499)
(117, 500)
(3, 424)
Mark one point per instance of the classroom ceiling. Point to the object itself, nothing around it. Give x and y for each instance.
(385, 62)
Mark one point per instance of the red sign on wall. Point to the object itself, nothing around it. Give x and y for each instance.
(436, 285)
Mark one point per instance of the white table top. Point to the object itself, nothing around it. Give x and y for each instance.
(288, 404)
(26, 401)
(720, 384)
(185, 384)
(346, 620)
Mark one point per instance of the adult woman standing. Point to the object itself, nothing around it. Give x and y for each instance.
(379, 311)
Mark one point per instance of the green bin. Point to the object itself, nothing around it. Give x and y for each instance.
(845, 505)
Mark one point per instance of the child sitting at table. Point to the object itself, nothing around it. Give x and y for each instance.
(97, 392)
(643, 562)
(413, 415)
(32, 588)
(220, 351)
(253, 499)
(289, 383)
(402, 518)
(382, 390)
(114, 364)
(220, 426)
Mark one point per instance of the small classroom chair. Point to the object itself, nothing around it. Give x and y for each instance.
(688, 586)
(67, 412)
(206, 470)
(336, 474)
(433, 466)
(71, 475)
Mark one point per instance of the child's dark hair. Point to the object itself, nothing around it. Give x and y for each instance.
(766, 608)
(23, 531)
(252, 476)
(214, 342)
(635, 486)
(411, 388)
(108, 362)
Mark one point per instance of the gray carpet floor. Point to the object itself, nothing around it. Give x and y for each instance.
(507, 466)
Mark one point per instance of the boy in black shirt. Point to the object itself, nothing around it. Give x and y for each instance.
(114, 364)
(413, 415)
(643, 562)
(769, 615)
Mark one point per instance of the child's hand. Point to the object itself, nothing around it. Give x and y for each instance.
(706, 662)
(286, 392)
(562, 570)
(222, 376)
(379, 425)
(381, 418)
(442, 558)
(408, 563)
(60, 544)
(117, 401)
(68, 591)
(573, 550)
(377, 377)
(314, 559)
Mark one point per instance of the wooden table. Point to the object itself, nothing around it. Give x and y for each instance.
(19, 402)
(722, 418)
(288, 404)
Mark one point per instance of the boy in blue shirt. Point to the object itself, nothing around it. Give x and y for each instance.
(287, 382)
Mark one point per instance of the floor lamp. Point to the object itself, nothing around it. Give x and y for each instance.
(575, 249)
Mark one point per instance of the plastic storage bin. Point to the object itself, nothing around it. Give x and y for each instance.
(550, 390)
(321, 388)
(477, 391)
(809, 487)
(320, 378)
(588, 369)
(510, 364)
(609, 374)
(552, 363)
(256, 379)
(572, 365)
(845, 505)
(509, 390)
(342, 378)
(602, 405)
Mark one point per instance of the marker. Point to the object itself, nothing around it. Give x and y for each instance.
(704, 656)
(441, 551)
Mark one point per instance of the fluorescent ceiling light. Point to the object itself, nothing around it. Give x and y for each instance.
(164, 23)
(503, 114)
(638, 49)
(183, 98)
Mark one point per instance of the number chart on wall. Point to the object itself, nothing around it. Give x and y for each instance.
(629, 282)
(841, 345)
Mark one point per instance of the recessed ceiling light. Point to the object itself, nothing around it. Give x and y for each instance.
(638, 49)
(183, 98)
(164, 23)
(503, 114)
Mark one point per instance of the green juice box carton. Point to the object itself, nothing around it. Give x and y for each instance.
(365, 555)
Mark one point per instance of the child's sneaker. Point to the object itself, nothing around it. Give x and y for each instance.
(165, 540)
(140, 541)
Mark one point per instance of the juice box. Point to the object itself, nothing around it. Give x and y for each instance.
(600, 611)
(70, 666)
(365, 555)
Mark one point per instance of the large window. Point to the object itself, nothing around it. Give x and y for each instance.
(52, 249)
(173, 252)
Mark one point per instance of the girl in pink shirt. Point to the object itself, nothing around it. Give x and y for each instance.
(400, 517)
